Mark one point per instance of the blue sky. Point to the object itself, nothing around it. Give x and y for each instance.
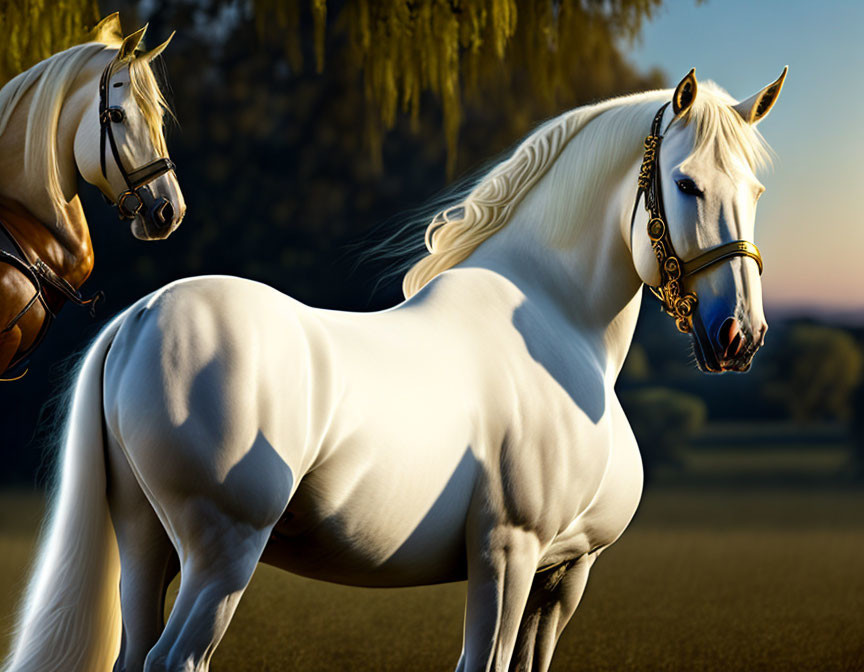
(810, 225)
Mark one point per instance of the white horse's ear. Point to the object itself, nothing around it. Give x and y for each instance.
(108, 30)
(756, 107)
(130, 44)
(685, 94)
(155, 51)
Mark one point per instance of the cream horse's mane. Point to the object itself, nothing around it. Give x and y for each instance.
(53, 79)
(483, 210)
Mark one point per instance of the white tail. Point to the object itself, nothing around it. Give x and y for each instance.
(70, 621)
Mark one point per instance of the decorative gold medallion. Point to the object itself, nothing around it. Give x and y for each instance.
(656, 229)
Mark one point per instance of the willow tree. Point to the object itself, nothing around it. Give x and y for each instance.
(463, 50)
(34, 29)
(546, 54)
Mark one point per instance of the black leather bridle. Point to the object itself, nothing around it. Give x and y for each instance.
(677, 302)
(137, 195)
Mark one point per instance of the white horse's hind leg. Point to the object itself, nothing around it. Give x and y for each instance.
(554, 597)
(215, 570)
(148, 562)
(189, 425)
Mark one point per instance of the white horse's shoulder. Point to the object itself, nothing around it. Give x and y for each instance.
(212, 356)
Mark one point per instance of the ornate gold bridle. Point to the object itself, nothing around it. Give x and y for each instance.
(677, 302)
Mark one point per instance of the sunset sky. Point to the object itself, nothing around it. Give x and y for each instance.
(810, 226)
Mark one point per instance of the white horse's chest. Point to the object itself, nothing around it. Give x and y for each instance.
(615, 498)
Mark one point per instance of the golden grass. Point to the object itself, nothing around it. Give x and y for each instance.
(732, 580)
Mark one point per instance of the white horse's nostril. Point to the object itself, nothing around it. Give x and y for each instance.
(730, 338)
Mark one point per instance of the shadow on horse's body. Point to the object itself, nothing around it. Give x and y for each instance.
(470, 432)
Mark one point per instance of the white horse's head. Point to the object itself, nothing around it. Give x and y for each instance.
(708, 159)
(120, 144)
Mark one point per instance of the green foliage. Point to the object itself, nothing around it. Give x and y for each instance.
(663, 420)
(35, 29)
(472, 50)
(816, 370)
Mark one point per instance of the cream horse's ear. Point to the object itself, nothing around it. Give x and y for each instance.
(756, 107)
(685, 94)
(130, 44)
(155, 51)
(108, 30)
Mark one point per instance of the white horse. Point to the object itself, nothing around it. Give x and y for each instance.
(470, 432)
(93, 110)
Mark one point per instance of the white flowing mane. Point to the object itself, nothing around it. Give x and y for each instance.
(618, 128)
(53, 78)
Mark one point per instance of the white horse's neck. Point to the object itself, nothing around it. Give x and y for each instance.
(581, 266)
(15, 183)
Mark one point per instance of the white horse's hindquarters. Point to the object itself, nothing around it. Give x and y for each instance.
(183, 399)
(239, 410)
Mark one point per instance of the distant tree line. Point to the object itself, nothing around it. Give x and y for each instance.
(808, 373)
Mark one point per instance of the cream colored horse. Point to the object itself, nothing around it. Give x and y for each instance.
(49, 126)
(470, 432)
(50, 133)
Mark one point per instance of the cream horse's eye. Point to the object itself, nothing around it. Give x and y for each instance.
(688, 186)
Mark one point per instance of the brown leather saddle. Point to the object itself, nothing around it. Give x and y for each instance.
(49, 289)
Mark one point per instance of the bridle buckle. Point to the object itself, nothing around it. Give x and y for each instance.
(123, 210)
(113, 114)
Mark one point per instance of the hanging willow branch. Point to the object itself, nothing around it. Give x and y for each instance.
(459, 49)
(34, 29)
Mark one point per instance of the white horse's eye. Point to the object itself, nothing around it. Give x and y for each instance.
(688, 186)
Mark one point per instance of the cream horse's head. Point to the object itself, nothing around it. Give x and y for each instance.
(708, 158)
(120, 144)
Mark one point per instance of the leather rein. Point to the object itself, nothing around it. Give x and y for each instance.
(45, 282)
(676, 300)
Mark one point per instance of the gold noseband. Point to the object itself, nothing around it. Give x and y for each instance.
(677, 302)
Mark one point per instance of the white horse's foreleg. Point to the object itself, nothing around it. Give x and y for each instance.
(147, 559)
(553, 600)
(215, 570)
(502, 563)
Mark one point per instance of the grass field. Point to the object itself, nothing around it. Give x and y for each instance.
(703, 580)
